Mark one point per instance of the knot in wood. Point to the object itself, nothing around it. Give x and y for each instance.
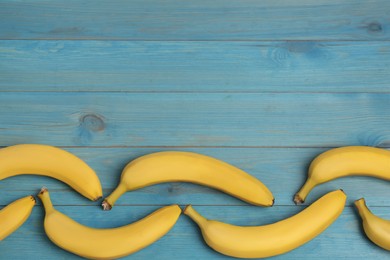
(92, 122)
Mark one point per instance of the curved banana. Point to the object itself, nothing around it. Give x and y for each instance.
(377, 229)
(53, 162)
(273, 239)
(14, 215)
(173, 166)
(345, 161)
(106, 243)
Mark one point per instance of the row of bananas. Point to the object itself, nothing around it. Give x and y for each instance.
(237, 241)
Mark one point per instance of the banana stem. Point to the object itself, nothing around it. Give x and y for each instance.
(194, 215)
(45, 198)
(362, 208)
(114, 196)
(301, 195)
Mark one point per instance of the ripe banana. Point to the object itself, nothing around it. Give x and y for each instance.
(174, 166)
(106, 243)
(273, 239)
(345, 161)
(52, 162)
(377, 229)
(14, 215)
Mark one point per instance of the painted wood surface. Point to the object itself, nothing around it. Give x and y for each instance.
(263, 85)
(195, 20)
(196, 119)
(149, 66)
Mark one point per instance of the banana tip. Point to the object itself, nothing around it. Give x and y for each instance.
(298, 200)
(43, 190)
(273, 202)
(106, 205)
(359, 200)
(186, 208)
(33, 198)
(98, 198)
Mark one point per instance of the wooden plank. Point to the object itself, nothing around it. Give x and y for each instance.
(195, 20)
(343, 239)
(303, 66)
(282, 170)
(189, 119)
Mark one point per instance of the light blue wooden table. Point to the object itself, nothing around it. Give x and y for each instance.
(263, 85)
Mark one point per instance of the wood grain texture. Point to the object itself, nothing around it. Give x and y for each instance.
(282, 170)
(303, 66)
(342, 240)
(195, 20)
(263, 85)
(190, 119)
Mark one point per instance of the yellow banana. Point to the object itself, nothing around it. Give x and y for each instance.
(377, 229)
(106, 243)
(273, 239)
(14, 215)
(345, 161)
(173, 166)
(52, 162)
